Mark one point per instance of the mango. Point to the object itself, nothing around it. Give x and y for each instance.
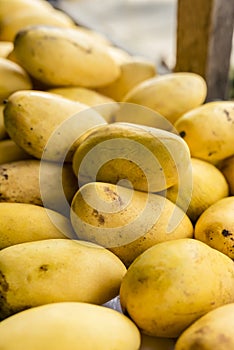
(173, 284)
(13, 78)
(214, 330)
(47, 125)
(208, 186)
(148, 159)
(23, 222)
(85, 62)
(227, 169)
(171, 95)
(208, 130)
(215, 226)
(41, 183)
(69, 325)
(126, 221)
(56, 270)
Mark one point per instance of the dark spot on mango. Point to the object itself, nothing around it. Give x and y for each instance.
(182, 133)
(211, 153)
(4, 287)
(113, 195)
(142, 279)
(87, 50)
(99, 216)
(3, 283)
(3, 173)
(229, 119)
(223, 339)
(44, 267)
(95, 212)
(226, 233)
(101, 219)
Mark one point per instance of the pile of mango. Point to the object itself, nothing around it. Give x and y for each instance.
(116, 195)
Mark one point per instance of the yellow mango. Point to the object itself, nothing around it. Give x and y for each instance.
(148, 159)
(16, 21)
(3, 133)
(13, 78)
(56, 270)
(208, 130)
(215, 226)
(208, 186)
(141, 115)
(11, 152)
(104, 105)
(7, 7)
(5, 48)
(227, 169)
(69, 325)
(21, 222)
(126, 221)
(174, 283)
(133, 72)
(46, 184)
(214, 330)
(170, 94)
(46, 125)
(85, 62)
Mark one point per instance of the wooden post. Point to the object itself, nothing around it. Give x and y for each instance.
(204, 42)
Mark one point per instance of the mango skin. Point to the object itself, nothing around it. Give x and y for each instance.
(156, 343)
(130, 222)
(86, 62)
(11, 152)
(56, 270)
(36, 120)
(21, 222)
(5, 48)
(7, 7)
(213, 125)
(150, 159)
(208, 186)
(227, 168)
(3, 133)
(171, 95)
(104, 105)
(174, 283)
(214, 330)
(69, 325)
(132, 72)
(215, 226)
(13, 78)
(16, 21)
(35, 182)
